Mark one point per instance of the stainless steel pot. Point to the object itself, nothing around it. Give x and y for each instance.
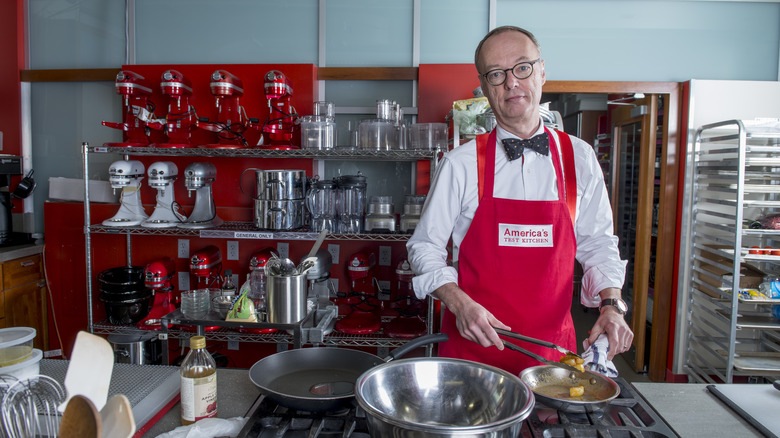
(275, 185)
(136, 349)
(551, 384)
(432, 397)
(279, 215)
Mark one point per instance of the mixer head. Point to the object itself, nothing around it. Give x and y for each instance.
(260, 258)
(158, 274)
(322, 266)
(360, 264)
(198, 175)
(124, 172)
(129, 83)
(205, 260)
(162, 174)
(224, 84)
(175, 84)
(404, 270)
(276, 85)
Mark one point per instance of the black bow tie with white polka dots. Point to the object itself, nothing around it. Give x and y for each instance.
(538, 143)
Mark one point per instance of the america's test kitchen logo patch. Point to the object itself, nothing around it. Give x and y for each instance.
(525, 235)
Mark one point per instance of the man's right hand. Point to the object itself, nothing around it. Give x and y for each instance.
(474, 322)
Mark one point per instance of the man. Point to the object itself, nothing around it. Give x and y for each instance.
(517, 218)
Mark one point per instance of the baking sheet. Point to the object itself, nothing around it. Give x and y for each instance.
(149, 388)
(758, 404)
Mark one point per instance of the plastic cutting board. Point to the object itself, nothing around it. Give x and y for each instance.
(757, 404)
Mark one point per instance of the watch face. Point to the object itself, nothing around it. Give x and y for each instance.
(617, 302)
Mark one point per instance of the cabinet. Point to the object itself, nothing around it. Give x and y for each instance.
(23, 297)
(237, 230)
(735, 181)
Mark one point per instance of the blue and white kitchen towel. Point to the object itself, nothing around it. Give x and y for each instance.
(596, 357)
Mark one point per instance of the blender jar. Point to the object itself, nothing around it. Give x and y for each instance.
(351, 203)
(321, 202)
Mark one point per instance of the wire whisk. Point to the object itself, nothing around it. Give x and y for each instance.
(29, 406)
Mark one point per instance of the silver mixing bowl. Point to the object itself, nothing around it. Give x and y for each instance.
(426, 397)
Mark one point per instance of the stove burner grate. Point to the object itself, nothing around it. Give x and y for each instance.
(629, 415)
(267, 419)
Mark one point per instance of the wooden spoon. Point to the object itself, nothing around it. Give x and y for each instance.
(81, 419)
(117, 417)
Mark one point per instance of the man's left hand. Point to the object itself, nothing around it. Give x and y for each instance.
(618, 332)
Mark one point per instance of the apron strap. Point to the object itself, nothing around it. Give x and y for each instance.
(569, 173)
(482, 142)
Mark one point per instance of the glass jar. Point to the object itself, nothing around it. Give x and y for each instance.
(198, 383)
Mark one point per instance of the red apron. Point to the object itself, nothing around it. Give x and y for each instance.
(517, 260)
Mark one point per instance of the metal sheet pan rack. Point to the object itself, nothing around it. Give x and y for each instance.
(291, 334)
(735, 183)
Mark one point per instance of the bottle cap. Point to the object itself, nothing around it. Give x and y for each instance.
(197, 342)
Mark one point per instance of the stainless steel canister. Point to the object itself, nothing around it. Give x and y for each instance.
(286, 214)
(286, 298)
(281, 184)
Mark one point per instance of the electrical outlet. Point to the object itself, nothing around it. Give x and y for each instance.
(184, 248)
(284, 249)
(385, 256)
(184, 280)
(232, 250)
(232, 345)
(333, 249)
(384, 285)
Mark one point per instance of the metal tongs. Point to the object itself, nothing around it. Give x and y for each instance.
(547, 344)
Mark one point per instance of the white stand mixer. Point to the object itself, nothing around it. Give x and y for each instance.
(127, 175)
(162, 174)
(199, 177)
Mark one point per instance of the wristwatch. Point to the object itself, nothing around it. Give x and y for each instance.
(618, 303)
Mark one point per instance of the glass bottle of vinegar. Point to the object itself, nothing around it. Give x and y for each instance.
(198, 383)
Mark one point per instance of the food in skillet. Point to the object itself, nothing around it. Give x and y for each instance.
(576, 391)
(574, 361)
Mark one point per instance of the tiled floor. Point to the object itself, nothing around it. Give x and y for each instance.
(583, 321)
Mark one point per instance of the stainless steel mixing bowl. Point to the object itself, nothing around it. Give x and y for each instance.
(426, 397)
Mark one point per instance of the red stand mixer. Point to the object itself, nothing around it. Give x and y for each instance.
(409, 323)
(363, 306)
(157, 277)
(137, 109)
(206, 268)
(278, 128)
(181, 119)
(231, 118)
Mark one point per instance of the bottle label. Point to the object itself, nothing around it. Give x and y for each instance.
(198, 397)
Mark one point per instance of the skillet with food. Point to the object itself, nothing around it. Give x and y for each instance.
(553, 386)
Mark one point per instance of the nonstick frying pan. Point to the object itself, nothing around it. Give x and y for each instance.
(321, 378)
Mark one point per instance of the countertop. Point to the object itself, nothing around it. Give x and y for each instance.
(17, 251)
(687, 407)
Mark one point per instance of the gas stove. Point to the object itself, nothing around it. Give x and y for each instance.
(628, 415)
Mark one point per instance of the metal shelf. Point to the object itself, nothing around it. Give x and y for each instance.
(734, 174)
(329, 154)
(243, 230)
(294, 334)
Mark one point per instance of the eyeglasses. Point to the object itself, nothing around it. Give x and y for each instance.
(521, 70)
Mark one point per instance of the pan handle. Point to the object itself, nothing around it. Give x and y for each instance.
(416, 342)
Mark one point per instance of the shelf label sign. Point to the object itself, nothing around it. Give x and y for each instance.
(253, 235)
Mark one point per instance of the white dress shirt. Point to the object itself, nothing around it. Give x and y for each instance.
(453, 200)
